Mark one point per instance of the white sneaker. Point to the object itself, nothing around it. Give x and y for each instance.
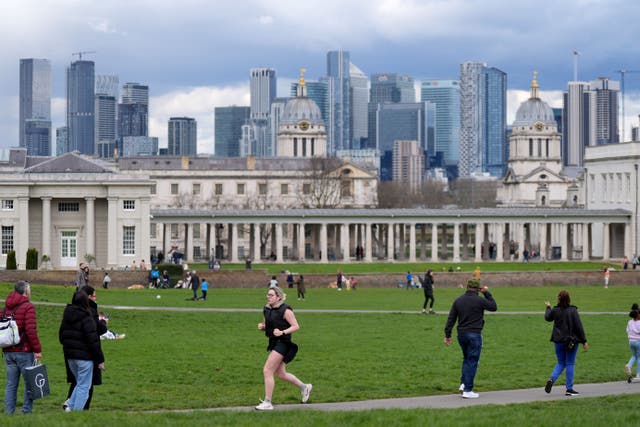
(461, 388)
(264, 406)
(469, 395)
(306, 392)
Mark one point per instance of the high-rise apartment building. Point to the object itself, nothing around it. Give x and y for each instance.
(228, 129)
(387, 88)
(359, 100)
(339, 84)
(408, 163)
(606, 94)
(81, 106)
(35, 106)
(445, 95)
(483, 115)
(183, 137)
(105, 125)
(578, 122)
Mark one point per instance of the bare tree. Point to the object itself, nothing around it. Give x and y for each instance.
(321, 186)
(431, 194)
(472, 193)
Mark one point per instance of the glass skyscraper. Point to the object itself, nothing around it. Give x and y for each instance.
(105, 125)
(339, 84)
(445, 95)
(359, 87)
(390, 88)
(228, 129)
(35, 106)
(81, 106)
(183, 137)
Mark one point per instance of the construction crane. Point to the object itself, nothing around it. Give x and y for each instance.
(622, 73)
(79, 54)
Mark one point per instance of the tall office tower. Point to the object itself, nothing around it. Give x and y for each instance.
(483, 115)
(38, 137)
(339, 84)
(387, 87)
(62, 140)
(35, 104)
(578, 123)
(606, 93)
(105, 125)
(81, 106)
(183, 136)
(228, 129)
(445, 94)
(401, 121)
(107, 84)
(635, 132)
(277, 107)
(139, 146)
(408, 163)
(133, 111)
(262, 92)
(135, 93)
(359, 100)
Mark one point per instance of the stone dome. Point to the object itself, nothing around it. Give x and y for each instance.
(534, 110)
(301, 108)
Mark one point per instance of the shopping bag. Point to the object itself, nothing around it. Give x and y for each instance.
(36, 381)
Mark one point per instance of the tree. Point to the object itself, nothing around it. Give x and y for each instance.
(32, 259)
(11, 260)
(431, 194)
(473, 193)
(322, 183)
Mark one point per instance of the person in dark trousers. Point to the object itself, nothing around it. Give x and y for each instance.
(567, 333)
(290, 281)
(301, 288)
(195, 284)
(24, 354)
(468, 309)
(427, 285)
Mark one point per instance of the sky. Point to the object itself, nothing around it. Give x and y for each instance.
(196, 55)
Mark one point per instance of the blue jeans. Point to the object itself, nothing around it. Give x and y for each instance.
(635, 355)
(471, 345)
(16, 363)
(83, 372)
(566, 360)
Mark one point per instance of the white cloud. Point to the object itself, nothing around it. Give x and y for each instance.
(266, 20)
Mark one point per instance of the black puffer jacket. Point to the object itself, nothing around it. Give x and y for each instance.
(78, 335)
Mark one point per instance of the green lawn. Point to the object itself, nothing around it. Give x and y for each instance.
(182, 360)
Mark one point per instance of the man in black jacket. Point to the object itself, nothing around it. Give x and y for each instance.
(468, 309)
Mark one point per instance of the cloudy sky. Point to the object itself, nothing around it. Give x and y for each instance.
(196, 54)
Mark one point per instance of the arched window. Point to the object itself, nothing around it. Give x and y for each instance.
(530, 147)
(543, 201)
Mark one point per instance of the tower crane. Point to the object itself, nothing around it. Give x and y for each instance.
(79, 54)
(622, 73)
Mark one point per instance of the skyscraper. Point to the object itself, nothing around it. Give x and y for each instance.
(183, 136)
(105, 125)
(483, 93)
(228, 129)
(445, 94)
(606, 93)
(107, 84)
(35, 105)
(262, 92)
(578, 123)
(133, 111)
(390, 88)
(81, 106)
(359, 100)
(408, 163)
(339, 84)
(62, 140)
(135, 93)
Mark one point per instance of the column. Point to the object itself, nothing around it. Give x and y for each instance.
(586, 244)
(423, 243)
(368, 243)
(344, 242)
(412, 243)
(390, 242)
(90, 224)
(279, 250)
(564, 246)
(46, 226)
(301, 246)
(542, 229)
(143, 236)
(500, 241)
(257, 241)
(456, 242)
(323, 243)
(606, 243)
(188, 245)
(434, 242)
(445, 241)
(233, 246)
(479, 240)
(112, 232)
(23, 233)
(521, 240)
(627, 240)
(465, 241)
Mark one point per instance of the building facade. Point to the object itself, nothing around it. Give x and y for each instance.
(228, 129)
(408, 163)
(183, 136)
(339, 103)
(387, 88)
(359, 101)
(81, 107)
(105, 125)
(445, 95)
(578, 122)
(35, 106)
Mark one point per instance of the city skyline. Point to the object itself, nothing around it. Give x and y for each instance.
(207, 63)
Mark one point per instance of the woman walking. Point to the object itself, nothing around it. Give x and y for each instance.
(428, 292)
(566, 335)
(633, 332)
(279, 323)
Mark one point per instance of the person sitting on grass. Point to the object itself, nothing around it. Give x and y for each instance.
(110, 334)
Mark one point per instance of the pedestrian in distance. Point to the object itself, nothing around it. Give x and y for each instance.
(106, 281)
(409, 280)
(427, 287)
(279, 323)
(567, 333)
(290, 281)
(633, 333)
(606, 277)
(195, 284)
(204, 287)
(468, 310)
(301, 287)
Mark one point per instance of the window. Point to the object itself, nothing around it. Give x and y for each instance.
(197, 253)
(174, 231)
(196, 189)
(174, 189)
(306, 188)
(68, 207)
(7, 205)
(7, 239)
(218, 189)
(240, 189)
(153, 189)
(262, 189)
(128, 240)
(345, 188)
(196, 231)
(284, 188)
(153, 230)
(129, 205)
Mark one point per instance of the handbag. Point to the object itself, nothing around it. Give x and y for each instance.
(9, 333)
(36, 381)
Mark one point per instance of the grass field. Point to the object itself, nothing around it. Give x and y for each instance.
(202, 359)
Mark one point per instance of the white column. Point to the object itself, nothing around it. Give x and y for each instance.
(46, 227)
(521, 239)
(143, 236)
(256, 242)
(434, 242)
(412, 243)
(390, 242)
(112, 232)
(606, 243)
(344, 242)
(23, 233)
(279, 250)
(564, 246)
(586, 244)
(499, 241)
(479, 240)
(456, 242)
(90, 223)
(301, 242)
(166, 232)
(323, 243)
(233, 247)
(188, 250)
(627, 240)
(368, 243)
(542, 229)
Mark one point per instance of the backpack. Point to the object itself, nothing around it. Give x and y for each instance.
(9, 333)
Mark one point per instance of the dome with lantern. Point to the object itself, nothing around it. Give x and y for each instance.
(534, 110)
